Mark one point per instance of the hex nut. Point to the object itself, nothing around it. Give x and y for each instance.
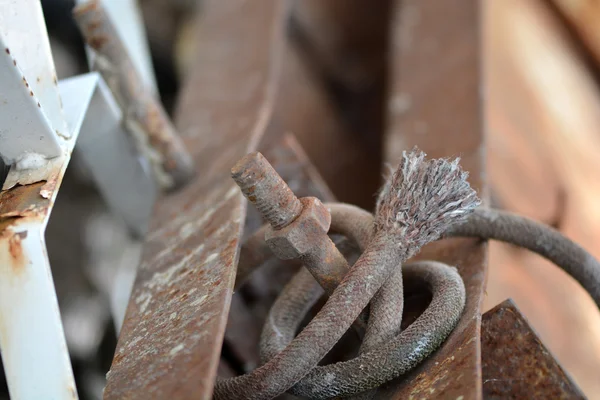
(303, 233)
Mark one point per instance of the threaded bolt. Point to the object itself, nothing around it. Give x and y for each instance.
(264, 188)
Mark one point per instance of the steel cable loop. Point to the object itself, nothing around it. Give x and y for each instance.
(352, 377)
(408, 217)
(385, 353)
(520, 231)
(422, 202)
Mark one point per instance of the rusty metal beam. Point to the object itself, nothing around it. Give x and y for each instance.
(171, 338)
(435, 103)
(515, 363)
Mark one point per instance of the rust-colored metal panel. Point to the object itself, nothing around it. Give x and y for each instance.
(171, 338)
(333, 91)
(435, 103)
(345, 42)
(305, 109)
(515, 363)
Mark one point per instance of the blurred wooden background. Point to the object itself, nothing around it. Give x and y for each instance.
(542, 63)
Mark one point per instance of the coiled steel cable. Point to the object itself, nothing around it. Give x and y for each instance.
(422, 198)
(376, 279)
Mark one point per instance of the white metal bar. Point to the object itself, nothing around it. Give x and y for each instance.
(34, 350)
(24, 32)
(31, 334)
(111, 157)
(38, 139)
(26, 134)
(31, 117)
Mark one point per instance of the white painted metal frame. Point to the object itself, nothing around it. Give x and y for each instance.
(31, 118)
(34, 351)
(40, 121)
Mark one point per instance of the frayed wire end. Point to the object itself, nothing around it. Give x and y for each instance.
(423, 198)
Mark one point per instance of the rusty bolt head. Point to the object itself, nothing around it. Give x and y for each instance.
(303, 234)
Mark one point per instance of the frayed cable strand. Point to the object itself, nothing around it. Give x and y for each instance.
(422, 198)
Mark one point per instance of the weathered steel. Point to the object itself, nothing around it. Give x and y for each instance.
(288, 366)
(515, 363)
(266, 191)
(127, 17)
(171, 338)
(298, 227)
(435, 103)
(143, 115)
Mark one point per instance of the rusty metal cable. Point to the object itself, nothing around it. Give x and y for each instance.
(376, 280)
(408, 217)
(385, 353)
(541, 239)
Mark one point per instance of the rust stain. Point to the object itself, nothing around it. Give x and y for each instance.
(73, 393)
(98, 41)
(15, 249)
(31, 92)
(14, 62)
(7, 50)
(85, 7)
(6, 222)
(94, 25)
(23, 201)
(172, 168)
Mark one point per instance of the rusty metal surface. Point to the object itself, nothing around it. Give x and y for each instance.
(297, 227)
(266, 190)
(170, 341)
(144, 116)
(435, 103)
(515, 363)
(292, 164)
